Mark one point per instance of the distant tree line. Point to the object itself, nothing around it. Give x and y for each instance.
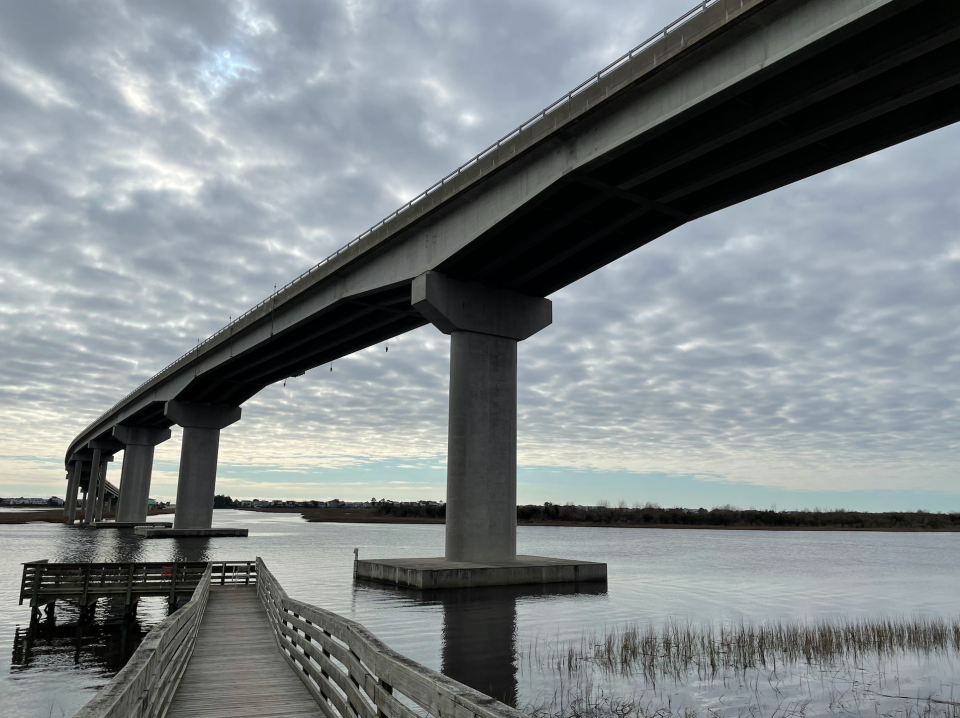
(411, 511)
(652, 514)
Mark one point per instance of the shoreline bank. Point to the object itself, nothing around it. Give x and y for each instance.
(54, 516)
(368, 516)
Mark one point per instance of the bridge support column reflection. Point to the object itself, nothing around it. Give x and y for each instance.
(480, 628)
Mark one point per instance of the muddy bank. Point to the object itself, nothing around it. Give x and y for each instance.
(54, 516)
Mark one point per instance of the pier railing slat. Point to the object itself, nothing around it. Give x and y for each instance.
(348, 669)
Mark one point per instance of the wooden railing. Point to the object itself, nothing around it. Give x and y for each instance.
(353, 674)
(146, 685)
(44, 582)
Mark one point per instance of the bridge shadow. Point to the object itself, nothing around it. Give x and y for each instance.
(479, 634)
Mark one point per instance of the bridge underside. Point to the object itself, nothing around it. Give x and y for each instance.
(764, 93)
(885, 79)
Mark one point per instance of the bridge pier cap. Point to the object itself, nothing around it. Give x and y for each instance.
(196, 484)
(137, 471)
(455, 306)
(485, 325)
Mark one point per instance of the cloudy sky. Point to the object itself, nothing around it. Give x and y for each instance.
(163, 165)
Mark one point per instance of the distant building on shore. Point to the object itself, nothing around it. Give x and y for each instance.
(51, 501)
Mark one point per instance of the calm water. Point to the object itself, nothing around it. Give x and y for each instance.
(477, 635)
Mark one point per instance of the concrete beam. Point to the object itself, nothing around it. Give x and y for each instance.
(107, 446)
(455, 306)
(139, 435)
(137, 472)
(198, 459)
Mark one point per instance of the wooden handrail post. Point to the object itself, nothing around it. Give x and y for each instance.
(127, 602)
(387, 689)
(173, 585)
(223, 573)
(86, 590)
(37, 577)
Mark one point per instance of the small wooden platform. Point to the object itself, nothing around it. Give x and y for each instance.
(236, 670)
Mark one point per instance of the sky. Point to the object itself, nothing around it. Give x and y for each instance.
(164, 164)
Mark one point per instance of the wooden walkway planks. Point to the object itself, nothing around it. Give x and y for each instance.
(236, 670)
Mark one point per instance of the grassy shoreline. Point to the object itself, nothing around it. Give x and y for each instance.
(370, 516)
(53, 516)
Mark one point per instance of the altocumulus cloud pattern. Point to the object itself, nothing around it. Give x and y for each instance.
(164, 165)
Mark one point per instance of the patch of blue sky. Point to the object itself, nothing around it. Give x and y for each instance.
(222, 67)
(360, 478)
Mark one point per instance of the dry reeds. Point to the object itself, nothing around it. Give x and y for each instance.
(678, 649)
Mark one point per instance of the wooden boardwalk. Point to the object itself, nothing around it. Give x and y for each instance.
(236, 670)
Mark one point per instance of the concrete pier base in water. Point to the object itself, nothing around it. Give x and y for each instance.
(198, 460)
(430, 573)
(149, 532)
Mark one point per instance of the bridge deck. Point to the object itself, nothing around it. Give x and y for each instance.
(236, 669)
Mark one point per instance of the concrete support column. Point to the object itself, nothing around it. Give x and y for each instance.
(482, 448)
(485, 325)
(93, 489)
(73, 487)
(101, 488)
(196, 484)
(139, 444)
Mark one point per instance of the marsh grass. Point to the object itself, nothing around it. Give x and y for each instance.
(678, 650)
(605, 706)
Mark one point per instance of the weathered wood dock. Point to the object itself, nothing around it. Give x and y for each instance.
(44, 583)
(236, 669)
(240, 647)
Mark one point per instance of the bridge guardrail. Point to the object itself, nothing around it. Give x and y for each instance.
(145, 687)
(349, 670)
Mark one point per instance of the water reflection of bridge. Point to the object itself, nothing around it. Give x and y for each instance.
(479, 634)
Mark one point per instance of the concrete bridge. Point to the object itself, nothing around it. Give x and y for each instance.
(735, 99)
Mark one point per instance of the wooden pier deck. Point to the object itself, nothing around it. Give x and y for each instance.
(236, 669)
